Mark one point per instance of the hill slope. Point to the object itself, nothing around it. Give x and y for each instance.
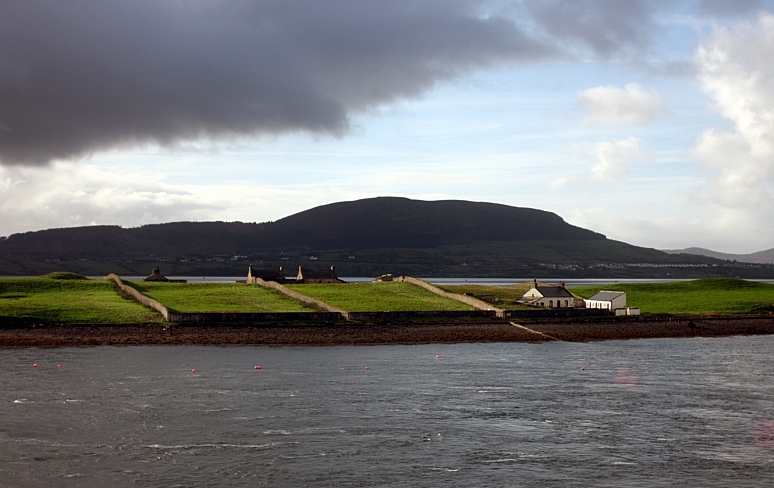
(364, 237)
(404, 223)
(766, 256)
(371, 223)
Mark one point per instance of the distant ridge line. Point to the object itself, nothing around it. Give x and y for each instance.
(760, 257)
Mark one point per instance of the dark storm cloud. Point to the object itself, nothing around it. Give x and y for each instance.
(85, 75)
(605, 26)
(729, 7)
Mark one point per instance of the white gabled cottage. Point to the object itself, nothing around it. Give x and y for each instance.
(548, 296)
(610, 300)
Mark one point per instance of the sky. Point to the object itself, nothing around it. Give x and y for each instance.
(651, 122)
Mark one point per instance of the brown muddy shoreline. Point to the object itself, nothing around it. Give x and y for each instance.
(375, 334)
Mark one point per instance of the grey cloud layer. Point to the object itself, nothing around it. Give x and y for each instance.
(76, 77)
(606, 26)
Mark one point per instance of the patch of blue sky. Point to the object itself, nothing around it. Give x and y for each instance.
(516, 134)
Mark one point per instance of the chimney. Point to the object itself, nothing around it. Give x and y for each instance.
(561, 284)
(534, 283)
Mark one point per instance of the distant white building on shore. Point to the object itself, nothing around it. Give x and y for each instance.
(609, 300)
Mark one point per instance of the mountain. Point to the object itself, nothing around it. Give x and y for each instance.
(400, 222)
(756, 257)
(384, 222)
(362, 238)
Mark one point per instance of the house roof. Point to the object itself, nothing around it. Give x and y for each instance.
(267, 273)
(319, 274)
(554, 292)
(156, 276)
(606, 296)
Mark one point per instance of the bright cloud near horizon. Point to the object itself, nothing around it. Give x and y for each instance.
(651, 122)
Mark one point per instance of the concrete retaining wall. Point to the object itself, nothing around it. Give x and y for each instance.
(255, 317)
(444, 314)
(139, 297)
(557, 312)
(467, 300)
(300, 297)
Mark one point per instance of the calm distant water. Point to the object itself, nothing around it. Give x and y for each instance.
(688, 412)
(447, 281)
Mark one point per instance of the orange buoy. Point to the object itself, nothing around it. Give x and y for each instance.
(35, 365)
(256, 367)
(193, 370)
(366, 368)
(583, 368)
(437, 356)
(58, 365)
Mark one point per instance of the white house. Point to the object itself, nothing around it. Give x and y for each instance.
(610, 300)
(548, 296)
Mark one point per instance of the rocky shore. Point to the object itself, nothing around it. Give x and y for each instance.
(372, 334)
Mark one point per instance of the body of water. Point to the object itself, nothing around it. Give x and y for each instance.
(689, 412)
(446, 281)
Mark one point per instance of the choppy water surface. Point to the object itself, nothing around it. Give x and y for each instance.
(691, 412)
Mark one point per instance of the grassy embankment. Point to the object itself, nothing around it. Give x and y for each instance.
(500, 296)
(706, 296)
(69, 301)
(219, 297)
(82, 301)
(378, 297)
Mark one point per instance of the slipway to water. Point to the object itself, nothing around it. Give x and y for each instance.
(665, 412)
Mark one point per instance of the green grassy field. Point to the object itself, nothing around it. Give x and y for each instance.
(69, 302)
(706, 296)
(219, 297)
(77, 301)
(500, 296)
(378, 297)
